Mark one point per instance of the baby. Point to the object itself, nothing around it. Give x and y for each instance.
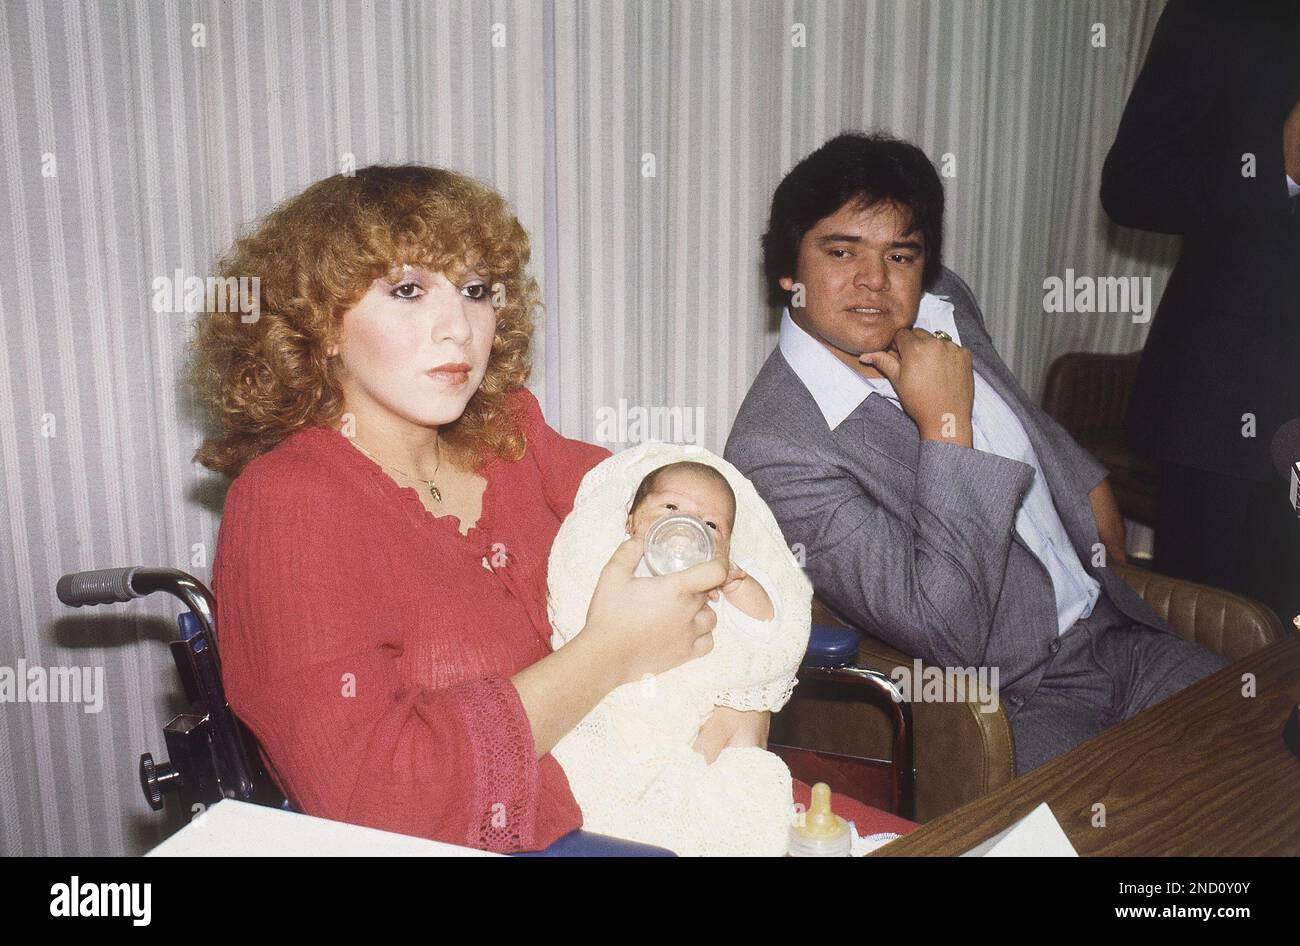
(699, 490)
(637, 764)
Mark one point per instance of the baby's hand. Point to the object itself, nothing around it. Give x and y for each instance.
(744, 591)
(735, 578)
(727, 727)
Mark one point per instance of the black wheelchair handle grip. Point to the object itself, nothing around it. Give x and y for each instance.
(101, 586)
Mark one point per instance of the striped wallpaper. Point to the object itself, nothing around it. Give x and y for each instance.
(639, 144)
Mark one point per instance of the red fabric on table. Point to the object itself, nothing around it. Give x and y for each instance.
(867, 819)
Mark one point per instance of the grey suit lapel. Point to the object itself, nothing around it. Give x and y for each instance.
(1062, 486)
(878, 424)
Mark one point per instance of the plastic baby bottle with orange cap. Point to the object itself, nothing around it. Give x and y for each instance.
(820, 832)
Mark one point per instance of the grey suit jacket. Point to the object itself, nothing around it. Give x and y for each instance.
(914, 541)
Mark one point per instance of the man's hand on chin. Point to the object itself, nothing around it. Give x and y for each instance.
(1110, 524)
(934, 380)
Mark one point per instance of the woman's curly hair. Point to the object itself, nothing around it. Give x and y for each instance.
(316, 255)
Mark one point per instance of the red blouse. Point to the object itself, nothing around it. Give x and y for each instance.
(370, 651)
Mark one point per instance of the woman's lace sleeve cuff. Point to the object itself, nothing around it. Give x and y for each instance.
(503, 798)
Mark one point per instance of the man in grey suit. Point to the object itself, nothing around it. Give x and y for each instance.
(935, 505)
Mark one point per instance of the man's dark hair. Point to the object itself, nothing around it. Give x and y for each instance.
(865, 169)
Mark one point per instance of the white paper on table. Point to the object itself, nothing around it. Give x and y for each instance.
(1037, 834)
(233, 828)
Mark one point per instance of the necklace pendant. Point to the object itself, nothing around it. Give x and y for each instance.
(437, 496)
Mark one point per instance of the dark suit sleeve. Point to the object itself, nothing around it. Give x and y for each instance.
(924, 577)
(1176, 164)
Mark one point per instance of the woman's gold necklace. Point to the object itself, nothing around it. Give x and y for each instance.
(433, 488)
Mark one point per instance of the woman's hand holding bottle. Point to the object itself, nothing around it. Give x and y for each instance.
(644, 626)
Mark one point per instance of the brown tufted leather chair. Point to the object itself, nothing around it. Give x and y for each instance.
(962, 753)
(1087, 394)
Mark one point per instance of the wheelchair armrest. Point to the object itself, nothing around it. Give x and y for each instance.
(832, 659)
(581, 843)
(831, 645)
(961, 752)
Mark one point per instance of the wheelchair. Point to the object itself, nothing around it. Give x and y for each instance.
(212, 755)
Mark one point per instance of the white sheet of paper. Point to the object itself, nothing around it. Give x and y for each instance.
(1037, 834)
(238, 829)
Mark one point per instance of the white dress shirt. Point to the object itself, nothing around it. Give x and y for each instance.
(838, 390)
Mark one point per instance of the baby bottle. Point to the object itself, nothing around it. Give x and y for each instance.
(822, 833)
(676, 542)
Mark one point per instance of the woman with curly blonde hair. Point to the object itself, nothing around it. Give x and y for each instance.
(381, 564)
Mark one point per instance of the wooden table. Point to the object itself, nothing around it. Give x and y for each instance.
(1203, 773)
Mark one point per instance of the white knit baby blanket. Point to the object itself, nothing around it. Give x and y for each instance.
(630, 762)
